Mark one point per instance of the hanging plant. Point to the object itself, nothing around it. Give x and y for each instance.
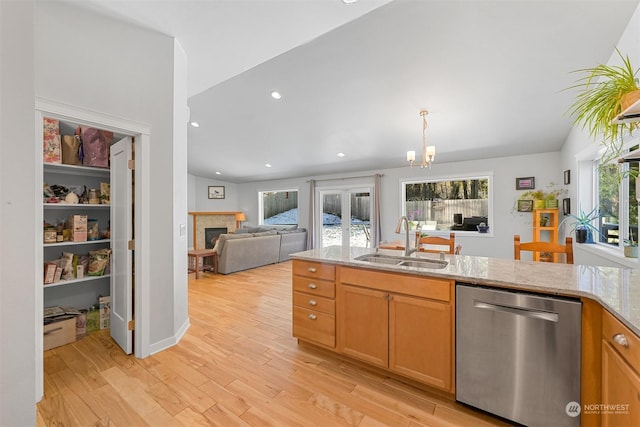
(605, 91)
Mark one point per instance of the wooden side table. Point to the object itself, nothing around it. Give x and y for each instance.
(194, 260)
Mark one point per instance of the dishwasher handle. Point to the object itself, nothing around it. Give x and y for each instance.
(518, 311)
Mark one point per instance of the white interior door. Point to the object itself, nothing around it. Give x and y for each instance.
(121, 233)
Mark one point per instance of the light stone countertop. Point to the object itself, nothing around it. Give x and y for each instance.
(616, 289)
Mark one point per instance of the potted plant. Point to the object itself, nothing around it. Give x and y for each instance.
(583, 225)
(605, 91)
(544, 199)
(630, 248)
(536, 195)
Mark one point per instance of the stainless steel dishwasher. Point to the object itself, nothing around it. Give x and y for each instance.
(518, 355)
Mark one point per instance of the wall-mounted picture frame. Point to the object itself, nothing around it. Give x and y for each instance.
(216, 192)
(567, 177)
(566, 206)
(525, 205)
(528, 183)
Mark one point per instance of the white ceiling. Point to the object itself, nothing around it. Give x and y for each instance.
(354, 78)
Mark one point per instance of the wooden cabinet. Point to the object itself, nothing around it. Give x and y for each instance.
(314, 292)
(620, 377)
(420, 337)
(363, 316)
(545, 229)
(381, 323)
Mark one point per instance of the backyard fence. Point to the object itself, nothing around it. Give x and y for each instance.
(278, 202)
(442, 211)
(360, 205)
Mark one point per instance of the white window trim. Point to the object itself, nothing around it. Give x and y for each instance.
(588, 199)
(261, 207)
(453, 177)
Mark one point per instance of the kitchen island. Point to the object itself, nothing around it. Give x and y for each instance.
(334, 292)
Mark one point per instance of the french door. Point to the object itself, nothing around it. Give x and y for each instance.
(344, 217)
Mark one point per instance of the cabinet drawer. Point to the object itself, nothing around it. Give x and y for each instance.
(314, 269)
(313, 302)
(419, 286)
(315, 287)
(615, 333)
(314, 326)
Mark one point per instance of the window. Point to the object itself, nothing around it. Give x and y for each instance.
(279, 207)
(448, 204)
(616, 197)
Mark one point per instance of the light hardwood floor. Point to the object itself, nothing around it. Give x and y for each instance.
(237, 365)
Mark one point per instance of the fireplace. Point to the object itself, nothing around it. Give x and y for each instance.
(211, 235)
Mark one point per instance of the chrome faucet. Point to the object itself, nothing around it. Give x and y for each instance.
(407, 250)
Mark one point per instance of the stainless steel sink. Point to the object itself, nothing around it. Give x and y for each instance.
(424, 263)
(402, 261)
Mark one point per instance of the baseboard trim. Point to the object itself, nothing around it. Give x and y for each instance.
(171, 341)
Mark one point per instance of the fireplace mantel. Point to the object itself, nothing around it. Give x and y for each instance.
(202, 220)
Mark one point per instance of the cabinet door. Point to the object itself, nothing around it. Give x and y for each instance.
(363, 316)
(620, 389)
(420, 339)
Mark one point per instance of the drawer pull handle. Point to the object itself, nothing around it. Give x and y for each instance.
(622, 340)
(313, 286)
(312, 270)
(313, 302)
(313, 317)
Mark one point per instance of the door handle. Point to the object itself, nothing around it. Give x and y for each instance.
(313, 286)
(313, 302)
(622, 340)
(312, 270)
(518, 311)
(313, 317)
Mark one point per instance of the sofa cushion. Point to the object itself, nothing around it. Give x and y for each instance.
(219, 246)
(247, 229)
(265, 233)
(297, 230)
(277, 227)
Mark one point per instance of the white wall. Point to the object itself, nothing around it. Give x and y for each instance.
(199, 199)
(180, 217)
(545, 167)
(580, 144)
(93, 62)
(18, 159)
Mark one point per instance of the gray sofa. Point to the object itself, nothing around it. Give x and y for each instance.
(252, 247)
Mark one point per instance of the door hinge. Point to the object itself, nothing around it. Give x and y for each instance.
(131, 245)
(131, 164)
(131, 325)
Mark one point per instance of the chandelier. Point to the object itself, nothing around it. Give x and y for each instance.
(428, 151)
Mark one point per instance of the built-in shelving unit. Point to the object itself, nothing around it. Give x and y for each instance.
(629, 115)
(83, 292)
(545, 228)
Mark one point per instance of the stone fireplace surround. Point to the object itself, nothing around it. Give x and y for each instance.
(202, 220)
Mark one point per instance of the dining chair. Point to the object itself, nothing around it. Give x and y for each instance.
(448, 246)
(547, 251)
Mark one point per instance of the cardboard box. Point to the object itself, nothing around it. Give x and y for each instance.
(60, 332)
(93, 320)
(105, 312)
(49, 272)
(78, 227)
(81, 324)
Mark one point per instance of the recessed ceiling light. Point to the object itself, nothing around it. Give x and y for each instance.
(195, 124)
(349, 1)
(340, 154)
(267, 165)
(276, 95)
(218, 173)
